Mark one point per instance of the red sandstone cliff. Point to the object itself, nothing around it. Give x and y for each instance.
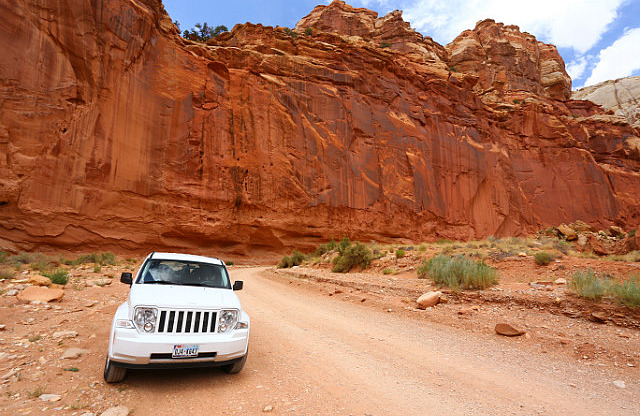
(116, 134)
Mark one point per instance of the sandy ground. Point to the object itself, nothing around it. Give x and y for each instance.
(323, 343)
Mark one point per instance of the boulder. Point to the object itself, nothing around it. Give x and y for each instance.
(508, 330)
(568, 232)
(39, 293)
(116, 411)
(38, 280)
(73, 353)
(429, 299)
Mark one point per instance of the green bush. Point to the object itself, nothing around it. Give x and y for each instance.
(588, 284)
(3, 256)
(326, 247)
(627, 293)
(389, 271)
(308, 31)
(295, 259)
(58, 276)
(344, 244)
(458, 272)
(385, 45)
(400, 253)
(352, 255)
(542, 258)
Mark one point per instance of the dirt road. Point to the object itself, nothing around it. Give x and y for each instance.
(314, 354)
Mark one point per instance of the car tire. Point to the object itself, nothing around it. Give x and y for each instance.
(112, 373)
(236, 367)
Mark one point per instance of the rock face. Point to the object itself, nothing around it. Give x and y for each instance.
(116, 134)
(505, 59)
(621, 96)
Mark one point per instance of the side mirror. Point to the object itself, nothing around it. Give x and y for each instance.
(237, 285)
(126, 278)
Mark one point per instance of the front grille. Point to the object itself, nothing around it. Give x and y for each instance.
(186, 321)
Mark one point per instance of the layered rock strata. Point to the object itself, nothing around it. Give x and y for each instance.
(116, 134)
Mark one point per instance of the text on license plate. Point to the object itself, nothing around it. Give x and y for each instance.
(185, 351)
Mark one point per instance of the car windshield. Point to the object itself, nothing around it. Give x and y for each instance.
(176, 272)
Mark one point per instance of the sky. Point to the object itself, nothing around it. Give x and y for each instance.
(598, 39)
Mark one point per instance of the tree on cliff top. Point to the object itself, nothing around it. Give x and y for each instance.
(203, 32)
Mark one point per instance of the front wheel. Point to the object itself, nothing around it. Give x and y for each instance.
(235, 367)
(112, 373)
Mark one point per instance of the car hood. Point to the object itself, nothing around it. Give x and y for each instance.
(182, 297)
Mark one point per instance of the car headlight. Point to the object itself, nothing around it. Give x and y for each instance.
(145, 318)
(227, 320)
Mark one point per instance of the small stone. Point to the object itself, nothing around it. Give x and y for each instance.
(116, 411)
(8, 375)
(50, 397)
(73, 353)
(3, 327)
(522, 254)
(620, 384)
(11, 292)
(560, 281)
(267, 409)
(429, 299)
(508, 330)
(599, 317)
(65, 334)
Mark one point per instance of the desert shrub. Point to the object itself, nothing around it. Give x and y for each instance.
(308, 31)
(21, 258)
(442, 241)
(458, 272)
(422, 248)
(290, 32)
(97, 268)
(385, 45)
(562, 246)
(3, 256)
(326, 247)
(6, 273)
(389, 271)
(104, 259)
(344, 244)
(229, 263)
(58, 276)
(352, 255)
(588, 284)
(295, 259)
(542, 258)
(627, 293)
(400, 253)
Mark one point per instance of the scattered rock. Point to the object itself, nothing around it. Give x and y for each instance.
(568, 232)
(507, 330)
(620, 384)
(11, 292)
(9, 374)
(3, 327)
(522, 254)
(38, 280)
(65, 334)
(40, 293)
(560, 281)
(50, 397)
(429, 299)
(599, 317)
(267, 409)
(116, 411)
(616, 231)
(73, 353)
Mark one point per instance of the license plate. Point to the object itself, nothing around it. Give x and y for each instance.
(185, 351)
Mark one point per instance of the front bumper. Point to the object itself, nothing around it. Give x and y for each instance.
(131, 349)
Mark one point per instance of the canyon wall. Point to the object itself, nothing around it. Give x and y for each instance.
(117, 134)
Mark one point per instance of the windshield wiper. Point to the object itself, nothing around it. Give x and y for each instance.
(161, 282)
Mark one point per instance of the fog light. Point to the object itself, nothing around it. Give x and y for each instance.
(148, 327)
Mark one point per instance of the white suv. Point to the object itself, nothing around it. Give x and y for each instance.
(181, 312)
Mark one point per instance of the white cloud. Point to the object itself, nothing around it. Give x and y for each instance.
(576, 68)
(577, 24)
(618, 60)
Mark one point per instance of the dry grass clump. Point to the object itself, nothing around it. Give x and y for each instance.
(458, 272)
